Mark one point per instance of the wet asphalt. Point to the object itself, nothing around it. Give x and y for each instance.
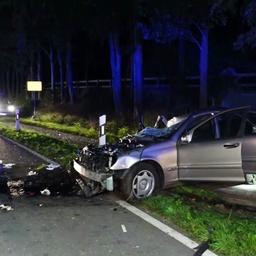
(45, 226)
(23, 160)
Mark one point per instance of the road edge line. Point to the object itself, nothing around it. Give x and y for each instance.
(44, 158)
(163, 227)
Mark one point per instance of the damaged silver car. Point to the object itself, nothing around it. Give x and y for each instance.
(214, 145)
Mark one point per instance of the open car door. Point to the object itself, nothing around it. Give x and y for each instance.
(213, 152)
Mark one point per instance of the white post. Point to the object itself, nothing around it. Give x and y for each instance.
(102, 124)
(17, 122)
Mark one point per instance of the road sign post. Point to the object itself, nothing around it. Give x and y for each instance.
(102, 134)
(34, 87)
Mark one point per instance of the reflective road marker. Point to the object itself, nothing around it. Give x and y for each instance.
(102, 124)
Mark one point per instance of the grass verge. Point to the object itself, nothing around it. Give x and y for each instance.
(232, 234)
(73, 129)
(54, 149)
(113, 131)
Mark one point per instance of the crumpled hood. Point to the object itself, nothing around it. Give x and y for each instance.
(151, 132)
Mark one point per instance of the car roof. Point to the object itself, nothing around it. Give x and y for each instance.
(218, 110)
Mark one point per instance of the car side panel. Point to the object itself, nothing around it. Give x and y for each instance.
(210, 161)
(165, 154)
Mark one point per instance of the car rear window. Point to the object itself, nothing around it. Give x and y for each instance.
(250, 124)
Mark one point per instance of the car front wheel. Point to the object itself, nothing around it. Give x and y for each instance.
(140, 182)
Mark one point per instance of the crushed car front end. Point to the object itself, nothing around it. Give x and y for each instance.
(104, 166)
(136, 165)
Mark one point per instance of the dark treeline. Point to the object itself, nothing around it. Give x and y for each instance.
(60, 41)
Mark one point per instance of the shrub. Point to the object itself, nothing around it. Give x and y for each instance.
(50, 117)
(112, 126)
(122, 132)
(70, 120)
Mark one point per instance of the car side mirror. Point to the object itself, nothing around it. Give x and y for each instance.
(186, 138)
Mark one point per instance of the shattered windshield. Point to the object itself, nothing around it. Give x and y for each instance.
(161, 132)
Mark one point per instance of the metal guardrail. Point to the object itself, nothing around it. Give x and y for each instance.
(247, 80)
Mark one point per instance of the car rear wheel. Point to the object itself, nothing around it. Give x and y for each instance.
(140, 182)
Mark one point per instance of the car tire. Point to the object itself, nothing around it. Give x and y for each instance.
(140, 182)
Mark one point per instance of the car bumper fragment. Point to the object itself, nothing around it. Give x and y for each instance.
(103, 178)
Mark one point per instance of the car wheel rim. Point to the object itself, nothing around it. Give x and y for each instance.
(143, 184)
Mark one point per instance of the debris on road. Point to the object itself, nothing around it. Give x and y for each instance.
(57, 182)
(48, 180)
(46, 192)
(8, 166)
(6, 207)
(51, 167)
(16, 187)
(30, 173)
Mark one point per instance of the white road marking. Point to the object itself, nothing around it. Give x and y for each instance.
(124, 228)
(163, 227)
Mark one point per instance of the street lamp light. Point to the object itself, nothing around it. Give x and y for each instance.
(34, 86)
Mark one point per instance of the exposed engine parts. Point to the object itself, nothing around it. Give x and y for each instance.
(100, 159)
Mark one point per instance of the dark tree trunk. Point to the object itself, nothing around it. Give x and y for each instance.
(17, 83)
(87, 62)
(2, 82)
(137, 76)
(12, 85)
(8, 89)
(115, 61)
(69, 73)
(52, 72)
(203, 67)
(31, 68)
(38, 68)
(60, 62)
(181, 64)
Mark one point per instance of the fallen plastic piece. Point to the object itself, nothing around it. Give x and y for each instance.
(6, 207)
(51, 167)
(45, 192)
(8, 166)
(30, 173)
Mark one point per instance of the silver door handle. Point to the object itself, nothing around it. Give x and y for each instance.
(235, 145)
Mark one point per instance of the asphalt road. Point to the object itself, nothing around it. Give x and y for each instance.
(45, 226)
(23, 160)
(10, 153)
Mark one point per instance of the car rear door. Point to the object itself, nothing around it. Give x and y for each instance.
(214, 152)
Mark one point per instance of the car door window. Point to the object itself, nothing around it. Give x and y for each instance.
(229, 125)
(204, 132)
(197, 120)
